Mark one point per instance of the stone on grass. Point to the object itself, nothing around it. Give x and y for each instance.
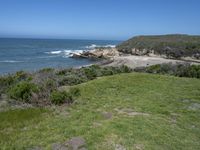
(76, 143)
(59, 146)
(107, 115)
(194, 106)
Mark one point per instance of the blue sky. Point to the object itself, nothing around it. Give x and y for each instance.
(97, 19)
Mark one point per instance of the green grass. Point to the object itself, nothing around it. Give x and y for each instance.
(172, 105)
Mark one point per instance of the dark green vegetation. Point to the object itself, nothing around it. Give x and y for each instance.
(41, 88)
(60, 97)
(173, 46)
(23, 91)
(180, 70)
(147, 112)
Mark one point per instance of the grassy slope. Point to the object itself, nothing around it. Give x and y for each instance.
(171, 123)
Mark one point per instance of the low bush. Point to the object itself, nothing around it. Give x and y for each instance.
(21, 75)
(71, 80)
(50, 84)
(40, 88)
(75, 92)
(125, 69)
(180, 70)
(23, 91)
(46, 70)
(6, 81)
(90, 72)
(60, 97)
(63, 72)
(107, 71)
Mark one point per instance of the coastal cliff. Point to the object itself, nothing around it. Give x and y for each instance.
(170, 46)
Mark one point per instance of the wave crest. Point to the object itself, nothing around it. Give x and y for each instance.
(65, 53)
(10, 61)
(54, 52)
(92, 46)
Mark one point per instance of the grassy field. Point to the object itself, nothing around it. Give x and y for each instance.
(128, 111)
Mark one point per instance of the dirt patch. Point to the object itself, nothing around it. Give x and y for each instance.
(133, 61)
(130, 112)
(75, 143)
(119, 147)
(35, 148)
(173, 118)
(107, 115)
(59, 146)
(138, 146)
(185, 100)
(97, 124)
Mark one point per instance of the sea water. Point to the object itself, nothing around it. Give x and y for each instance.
(34, 54)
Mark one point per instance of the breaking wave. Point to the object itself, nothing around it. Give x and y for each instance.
(70, 52)
(10, 61)
(94, 46)
(54, 52)
(65, 53)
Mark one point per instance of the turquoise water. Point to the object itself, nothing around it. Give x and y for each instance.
(34, 54)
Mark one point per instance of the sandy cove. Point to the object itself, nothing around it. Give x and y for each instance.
(111, 57)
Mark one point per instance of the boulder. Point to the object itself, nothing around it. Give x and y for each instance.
(139, 52)
(97, 53)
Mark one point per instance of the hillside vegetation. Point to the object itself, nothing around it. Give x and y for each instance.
(173, 46)
(180, 70)
(133, 111)
(42, 88)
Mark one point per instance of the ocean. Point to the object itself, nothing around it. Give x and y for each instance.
(34, 54)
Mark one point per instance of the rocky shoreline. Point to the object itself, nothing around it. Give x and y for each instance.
(112, 57)
(97, 53)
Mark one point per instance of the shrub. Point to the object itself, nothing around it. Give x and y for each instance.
(71, 80)
(125, 69)
(21, 75)
(5, 83)
(90, 73)
(50, 85)
(75, 92)
(60, 97)
(46, 70)
(23, 91)
(154, 69)
(107, 71)
(6, 80)
(64, 71)
(180, 70)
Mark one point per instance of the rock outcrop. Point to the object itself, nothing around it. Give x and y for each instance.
(97, 53)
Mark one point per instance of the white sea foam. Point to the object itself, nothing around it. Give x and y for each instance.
(92, 46)
(65, 53)
(10, 61)
(69, 53)
(54, 52)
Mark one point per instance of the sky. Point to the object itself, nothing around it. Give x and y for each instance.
(97, 19)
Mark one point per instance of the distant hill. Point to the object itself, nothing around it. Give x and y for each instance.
(175, 46)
